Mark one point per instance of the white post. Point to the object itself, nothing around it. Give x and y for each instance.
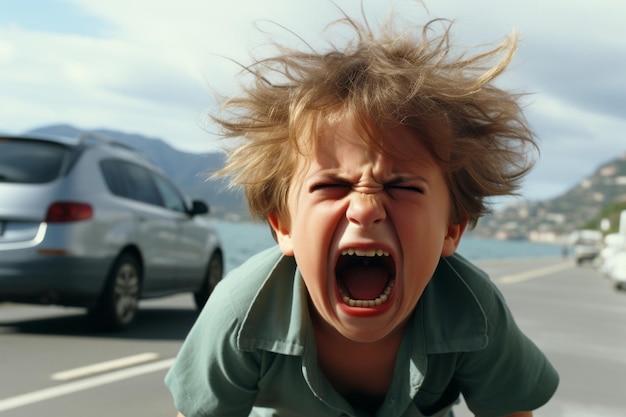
(622, 223)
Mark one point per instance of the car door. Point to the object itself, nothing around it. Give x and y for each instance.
(190, 250)
(157, 228)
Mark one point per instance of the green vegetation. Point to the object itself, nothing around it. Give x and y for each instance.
(612, 213)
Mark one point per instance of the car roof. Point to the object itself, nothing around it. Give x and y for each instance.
(84, 139)
(65, 140)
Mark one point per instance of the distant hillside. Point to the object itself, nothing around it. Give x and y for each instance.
(583, 202)
(552, 219)
(189, 170)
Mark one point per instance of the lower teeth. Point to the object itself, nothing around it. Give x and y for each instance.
(381, 299)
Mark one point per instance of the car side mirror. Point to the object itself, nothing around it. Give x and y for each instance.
(199, 207)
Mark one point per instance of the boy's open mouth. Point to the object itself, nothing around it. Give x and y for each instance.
(365, 278)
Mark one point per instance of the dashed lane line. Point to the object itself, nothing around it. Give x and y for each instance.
(107, 366)
(534, 274)
(84, 384)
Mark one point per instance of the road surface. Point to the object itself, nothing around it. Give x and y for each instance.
(52, 363)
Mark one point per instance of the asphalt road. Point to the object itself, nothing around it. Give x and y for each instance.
(52, 364)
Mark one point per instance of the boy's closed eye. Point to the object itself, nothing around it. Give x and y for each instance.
(330, 185)
(390, 188)
(405, 187)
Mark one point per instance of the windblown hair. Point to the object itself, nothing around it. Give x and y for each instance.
(476, 131)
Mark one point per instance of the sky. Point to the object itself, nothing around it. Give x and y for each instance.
(153, 67)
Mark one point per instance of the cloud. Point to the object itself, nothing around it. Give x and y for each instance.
(150, 67)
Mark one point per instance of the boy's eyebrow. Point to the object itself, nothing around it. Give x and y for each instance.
(396, 179)
(334, 176)
(402, 178)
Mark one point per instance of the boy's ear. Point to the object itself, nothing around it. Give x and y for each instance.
(453, 238)
(282, 234)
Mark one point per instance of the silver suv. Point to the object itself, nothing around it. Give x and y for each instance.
(88, 222)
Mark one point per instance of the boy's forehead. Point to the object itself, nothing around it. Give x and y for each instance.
(398, 144)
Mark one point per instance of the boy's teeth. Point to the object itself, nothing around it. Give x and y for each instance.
(381, 299)
(362, 252)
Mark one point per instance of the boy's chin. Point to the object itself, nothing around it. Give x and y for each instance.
(366, 335)
(364, 329)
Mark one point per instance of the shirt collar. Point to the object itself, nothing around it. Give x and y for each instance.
(448, 311)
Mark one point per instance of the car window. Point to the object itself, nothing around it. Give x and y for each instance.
(142, 186)
(171, 197)
(132, 181)
(31, 161)
(114, 176)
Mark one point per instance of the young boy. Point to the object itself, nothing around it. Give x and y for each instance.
(368, 161)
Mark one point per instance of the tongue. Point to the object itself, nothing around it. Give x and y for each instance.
(365, 283)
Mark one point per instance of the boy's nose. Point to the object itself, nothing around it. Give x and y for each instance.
(365, 209)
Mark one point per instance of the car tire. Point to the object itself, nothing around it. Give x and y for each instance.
(119, 299)
(213, 275)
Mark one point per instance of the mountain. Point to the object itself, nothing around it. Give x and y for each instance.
(554, 219)
(190, 171)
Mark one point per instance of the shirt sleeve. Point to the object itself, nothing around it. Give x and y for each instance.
(511, 374)
(211, 376)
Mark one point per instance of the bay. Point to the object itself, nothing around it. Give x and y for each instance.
(242, 240)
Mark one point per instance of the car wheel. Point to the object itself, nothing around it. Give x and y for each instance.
(213, 275)
(119, 300)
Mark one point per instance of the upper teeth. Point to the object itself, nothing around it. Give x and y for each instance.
(362, 252)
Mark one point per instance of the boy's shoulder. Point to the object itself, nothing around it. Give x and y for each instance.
(262, 280)
(456, 306)
(258, 265)
(460, 270)
(242, 285)
(265, 298)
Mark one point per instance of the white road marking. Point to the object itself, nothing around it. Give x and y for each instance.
(535, 273)
(102, 367)
(76, 386)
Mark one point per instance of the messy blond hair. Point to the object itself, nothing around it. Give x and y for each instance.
(476, 131)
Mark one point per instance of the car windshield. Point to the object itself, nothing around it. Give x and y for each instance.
(30, 161)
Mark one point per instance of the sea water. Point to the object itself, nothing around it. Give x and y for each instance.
(242, 240)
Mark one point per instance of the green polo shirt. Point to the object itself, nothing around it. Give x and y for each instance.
(252, 350)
